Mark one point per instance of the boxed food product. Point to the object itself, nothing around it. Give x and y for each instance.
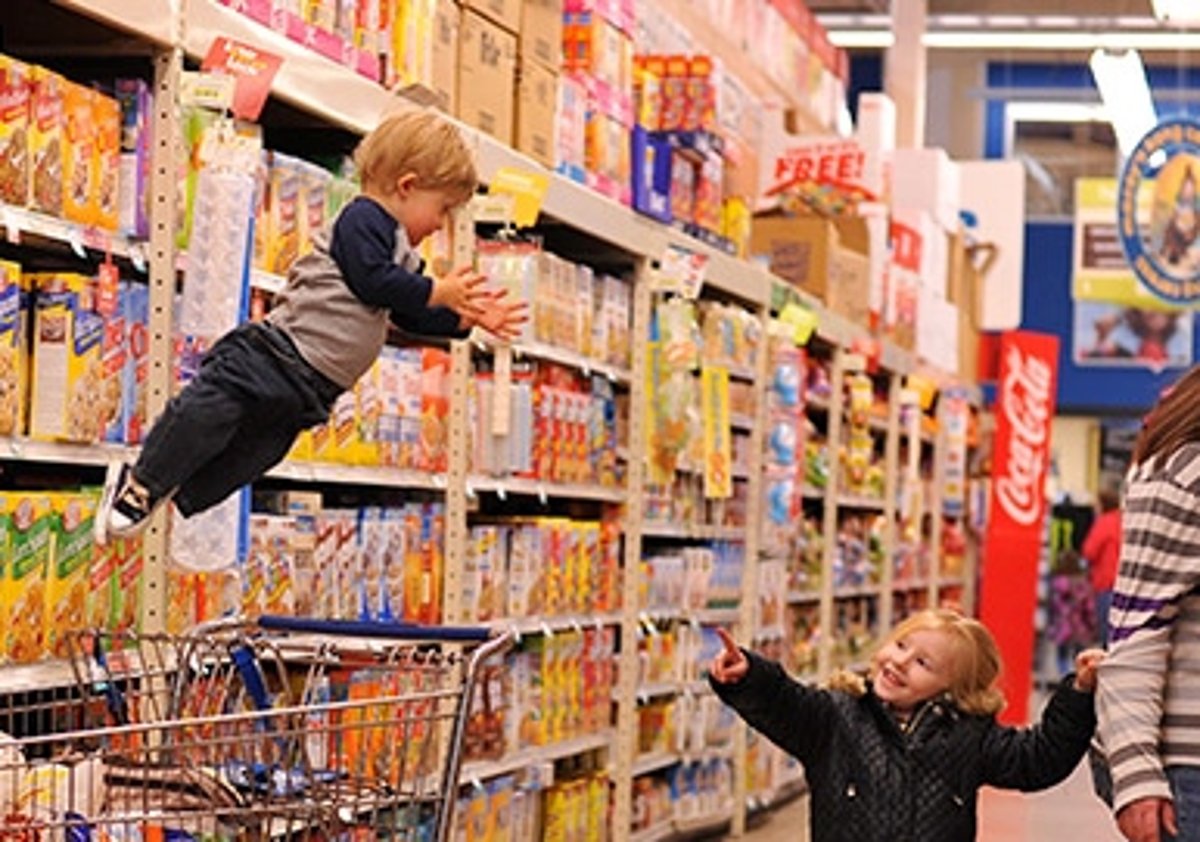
(13, 357)
(67, 584)
(30, 526)
(106, 161)
(45, 147)
(79, 154)
(314, 199)
(135, 299)
(133, 183)
(283, 196)
(435, 409)
(486, 76)
(542, 31)
(101, 585)
(71, 397)
(5, 562)
(14, 130)
(114, 363)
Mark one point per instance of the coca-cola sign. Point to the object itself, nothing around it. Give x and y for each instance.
(1026, 404)
(1024, 409)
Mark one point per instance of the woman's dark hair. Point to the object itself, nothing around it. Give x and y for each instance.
(1174, 421)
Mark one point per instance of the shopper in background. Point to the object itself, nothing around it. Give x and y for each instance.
(903, 755)
(1072, 609)
(1149, 697)
(1102, 549)
(261, 385)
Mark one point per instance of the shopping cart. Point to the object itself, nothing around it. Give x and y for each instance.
(279, 729)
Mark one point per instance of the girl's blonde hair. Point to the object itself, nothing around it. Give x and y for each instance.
(421, 142)
(976, 667)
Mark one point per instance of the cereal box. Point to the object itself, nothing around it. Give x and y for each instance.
(314, 189)
(79, 154)
(45, 144)
(114, 364)
(14, 131)
(101, 587)
(133, 184)
(135, 299)
(284, 184)
(106, 161)
(13, 361)
(435, 409)
(70, 566)
(72, 398)
(31, 539)
(129, 580)
(368, 413)
(5, 559)
(182, 588)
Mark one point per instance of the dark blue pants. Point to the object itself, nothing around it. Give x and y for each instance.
(254, 394)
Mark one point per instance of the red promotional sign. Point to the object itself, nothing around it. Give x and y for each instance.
(253, 68)
(1025, 400)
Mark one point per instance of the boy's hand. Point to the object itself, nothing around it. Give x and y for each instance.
(503, 318)
(1085, 669)
(462, 291)
(730, 665)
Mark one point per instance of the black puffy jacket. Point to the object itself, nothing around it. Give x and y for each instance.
(872, 782)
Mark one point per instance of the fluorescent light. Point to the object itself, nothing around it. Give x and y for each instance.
(1055, 112)
(1164, 40)
(1177, 11)
(1121, 79)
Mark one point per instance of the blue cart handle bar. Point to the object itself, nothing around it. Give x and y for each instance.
(389, 631)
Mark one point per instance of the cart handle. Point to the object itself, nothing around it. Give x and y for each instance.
(377, 629)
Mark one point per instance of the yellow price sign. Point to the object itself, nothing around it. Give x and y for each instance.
(802, 321)
(924, 388)
(528, 190)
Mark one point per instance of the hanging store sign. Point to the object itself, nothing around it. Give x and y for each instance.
(1164, 254)
(254, 70)
(1024, 411)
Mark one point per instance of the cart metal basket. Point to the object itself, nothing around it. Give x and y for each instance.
(276, 729)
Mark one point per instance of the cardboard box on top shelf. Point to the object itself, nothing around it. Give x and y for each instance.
(447, 20)
(425, 42)
(927, 180)
(487, 72)
(506, 13)
(537, 111)
(827, 258)
(968, 268)
(541, 34)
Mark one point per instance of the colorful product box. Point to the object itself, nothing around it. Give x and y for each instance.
(13, 356)
(31, 541)
(283, 211)
(14, 130)
(46, 140)
(79, 154)
(106, 161)
(73, 398)
(135, 300)
(133, 202)
(70, 565)
(435, 409)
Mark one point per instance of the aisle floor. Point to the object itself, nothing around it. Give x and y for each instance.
(1069, 810)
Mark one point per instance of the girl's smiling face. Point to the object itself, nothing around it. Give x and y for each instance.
(914, 667)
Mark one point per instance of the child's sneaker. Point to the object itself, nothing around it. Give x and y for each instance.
(125, 506)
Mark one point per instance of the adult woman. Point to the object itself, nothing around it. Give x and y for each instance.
(1148, 705)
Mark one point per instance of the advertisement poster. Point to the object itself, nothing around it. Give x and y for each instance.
(1025, 402)
(1111, 334)
(1100, 270)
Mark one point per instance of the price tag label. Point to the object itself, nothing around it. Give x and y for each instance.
(528, 190)
(107, 288)
(801, 320)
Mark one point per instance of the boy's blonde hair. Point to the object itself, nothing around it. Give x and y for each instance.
(421, 142)
(976, 666)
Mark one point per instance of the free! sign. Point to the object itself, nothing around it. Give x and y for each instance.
(839, 163)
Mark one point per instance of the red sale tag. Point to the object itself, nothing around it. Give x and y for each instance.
(107, 282)
(253, 68)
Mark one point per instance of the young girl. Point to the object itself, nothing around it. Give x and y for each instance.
(902, 757)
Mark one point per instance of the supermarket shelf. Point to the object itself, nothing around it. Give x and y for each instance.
(657, 761)
(740, 472)
(740, 421)
(19, 223)
(803, 597)
(875, 504)
(529, 626)
(951, 582)
(811, 492)
(820, 403)
(62, 453)
(267, 281)
(658, 689)
(480, 770)
(330, 472)
(741, 372)
(854, 591)
(562, 356)
(704, 825)
(694, 533)
(715, 616)
(654, 833)
(538, 488)
(786, 791)
(911, 585)
(149, 19)
(46, 675)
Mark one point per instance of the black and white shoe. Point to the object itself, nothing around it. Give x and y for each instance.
(125, 506)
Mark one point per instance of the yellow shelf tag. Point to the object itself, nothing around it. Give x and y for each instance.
(528, 190)
(802, 320)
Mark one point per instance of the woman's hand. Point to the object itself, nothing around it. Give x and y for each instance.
(1145, 819)
(730, 665)
(1085, 669)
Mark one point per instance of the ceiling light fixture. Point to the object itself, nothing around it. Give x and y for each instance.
(1121, 80)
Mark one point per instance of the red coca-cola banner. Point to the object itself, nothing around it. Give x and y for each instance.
(1026, 390)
